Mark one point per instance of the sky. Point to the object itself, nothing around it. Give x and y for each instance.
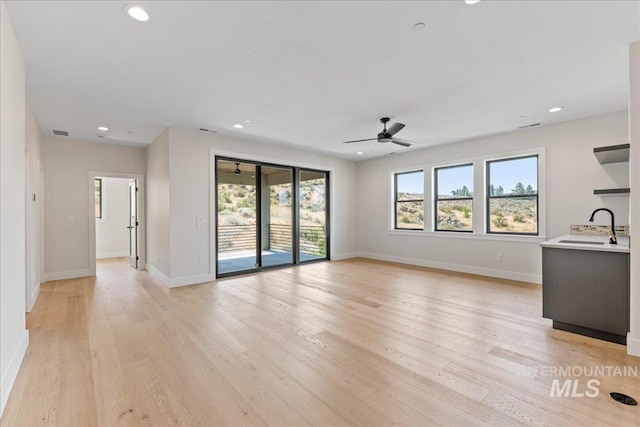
(508, 174)
(504, 173)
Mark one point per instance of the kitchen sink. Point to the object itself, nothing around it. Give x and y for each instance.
(582, 242)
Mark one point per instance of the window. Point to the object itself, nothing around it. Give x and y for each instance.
(409, 200)
(512, 195)
(98, 196)
(454, 198)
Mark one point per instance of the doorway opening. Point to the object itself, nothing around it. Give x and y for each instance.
(116, 216)
(117, 212)
(269, 216)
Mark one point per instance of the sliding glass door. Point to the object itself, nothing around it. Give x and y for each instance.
(277, 216)
(269, 216)
(313, 215)
(237, 226)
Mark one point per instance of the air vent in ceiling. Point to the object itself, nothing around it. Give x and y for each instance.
(208, 130)
(530, 126)
(59, 132)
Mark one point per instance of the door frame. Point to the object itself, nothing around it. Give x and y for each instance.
(133, 186)
(34, 234)
(142, 250)
(213, 208)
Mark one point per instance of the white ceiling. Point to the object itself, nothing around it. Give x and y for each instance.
(314, 74)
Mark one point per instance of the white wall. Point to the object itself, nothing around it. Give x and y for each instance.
(112, 235)
(67, 163)
(158, 190)
(190, 190)
(572, 173)
(633, 339)
(14, 338)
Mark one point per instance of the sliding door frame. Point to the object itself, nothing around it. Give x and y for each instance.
(295, 226)
(327, 216)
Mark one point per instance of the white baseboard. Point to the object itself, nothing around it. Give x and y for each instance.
(158, 275)
(61, 275)
(346, 255)
(175, 282)
(33, 297)
(633, 346)
(113, 254)
(190, 280)
(10, 377)
(461, 268)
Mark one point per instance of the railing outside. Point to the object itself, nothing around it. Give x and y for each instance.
(236, 238)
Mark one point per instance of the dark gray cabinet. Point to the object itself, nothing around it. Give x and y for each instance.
(587, 292)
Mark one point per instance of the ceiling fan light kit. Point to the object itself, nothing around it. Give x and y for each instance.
(387, 135)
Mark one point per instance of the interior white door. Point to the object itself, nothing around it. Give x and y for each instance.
(133, 223)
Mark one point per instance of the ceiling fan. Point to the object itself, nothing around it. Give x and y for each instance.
(387, 134)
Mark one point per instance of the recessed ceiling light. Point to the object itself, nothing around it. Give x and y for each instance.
(247, 121)
(359, 153)
(471, 1)
(238, 126)
(103, 128)
(137, 13)
(419, 26)
(555, 109)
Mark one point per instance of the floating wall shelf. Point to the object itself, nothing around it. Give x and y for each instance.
(612, 192)
(612, 153)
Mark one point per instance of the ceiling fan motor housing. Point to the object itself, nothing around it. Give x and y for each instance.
(384, 137)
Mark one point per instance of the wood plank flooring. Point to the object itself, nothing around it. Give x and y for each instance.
(355, 342)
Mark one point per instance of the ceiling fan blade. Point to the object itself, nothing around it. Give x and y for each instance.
(359, 140)
(402, 142)
(395, 128)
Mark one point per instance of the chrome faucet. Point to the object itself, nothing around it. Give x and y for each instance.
(612, 234)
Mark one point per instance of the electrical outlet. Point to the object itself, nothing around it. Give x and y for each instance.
(71, 218)
(201, 261)
(499, 257)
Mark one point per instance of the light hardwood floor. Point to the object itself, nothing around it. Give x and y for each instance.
(354, 342)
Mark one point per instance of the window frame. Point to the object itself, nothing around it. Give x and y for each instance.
(488, 196)
(436, 199)
(396, 201)
(102, 216)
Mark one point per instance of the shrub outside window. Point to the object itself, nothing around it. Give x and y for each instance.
(512, 195)
(454, 198)
(409, 200)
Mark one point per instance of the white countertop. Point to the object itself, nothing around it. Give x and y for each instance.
(622, 246)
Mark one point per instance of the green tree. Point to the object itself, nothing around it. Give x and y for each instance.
(499, 191)
(530, 189)
(519, 189)
(461, 192)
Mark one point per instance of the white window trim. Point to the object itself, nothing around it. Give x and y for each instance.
(479, 200)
